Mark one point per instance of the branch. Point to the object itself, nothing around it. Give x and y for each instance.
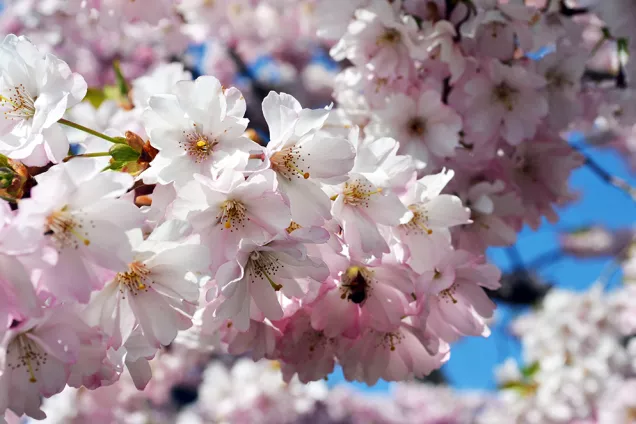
(612, 180)
(569, 11)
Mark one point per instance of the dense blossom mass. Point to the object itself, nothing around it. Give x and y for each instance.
(150, 215)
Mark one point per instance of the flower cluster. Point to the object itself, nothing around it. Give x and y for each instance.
(581, 362)
(151, 213)
(323, 246)
(580, 368)
(248, 391)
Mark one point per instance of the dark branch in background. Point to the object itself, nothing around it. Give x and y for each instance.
(435, 377)
(259, 92)
(598, 76)
(257, 88)
(568, 11)
(446, 89)
(623, 54)
(519, 286)
(612, 180)
(545, 259)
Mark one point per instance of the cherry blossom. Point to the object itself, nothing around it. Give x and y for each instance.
(231, 209)
(504, 100)
(196, 130)
(75, 213)
(254, 280)
(430, 127)
(158, 291)
(302, 156)
(35, 90)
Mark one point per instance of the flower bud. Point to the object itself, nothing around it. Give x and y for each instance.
(6, 177)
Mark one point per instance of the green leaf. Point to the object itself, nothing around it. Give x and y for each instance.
(122, 84)
(95, 96)
(123, 153)
(530, 370)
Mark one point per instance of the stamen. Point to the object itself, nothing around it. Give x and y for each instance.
(357, 193)
(136, 279)
(447, 293)
(288, 163)
(66, 229)
(505, 94)
(262, 264)
(29, 355)
(20, 102)
(419, 220)
(232, 215)
(197, 145)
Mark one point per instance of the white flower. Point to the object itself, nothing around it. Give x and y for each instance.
(368, 198)
(302, 156)
(197, 130)
(159, 81)
(230, 209)
(75, 213)
(251, 283)
(158, 291)
(433, 215)
(35, 91)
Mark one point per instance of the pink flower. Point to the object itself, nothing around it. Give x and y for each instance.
(230, 209)
(75, 213)
(306, 351)
(451, 293)
(359, 295)
(505, 100)
(563, 70)
(260, 274)
(501, 28)
(303, 157)
(380, 40)
(37, 358)
(156, 292)
(398, 355)
(539, 172)
(359, 207)
(260, 340)
(496, 215)
(433, 215)
(18, 300)
(423, 124)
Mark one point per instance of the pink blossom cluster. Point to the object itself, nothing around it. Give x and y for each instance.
(247, 392)
(354, 236)
(321, 247)
(459, 90)
(580, 368)
(581, 362)
(90, 34)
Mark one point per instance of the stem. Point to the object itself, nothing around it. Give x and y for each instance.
(617, 182)
(545, 259)
(87, 155)
(88, 130)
